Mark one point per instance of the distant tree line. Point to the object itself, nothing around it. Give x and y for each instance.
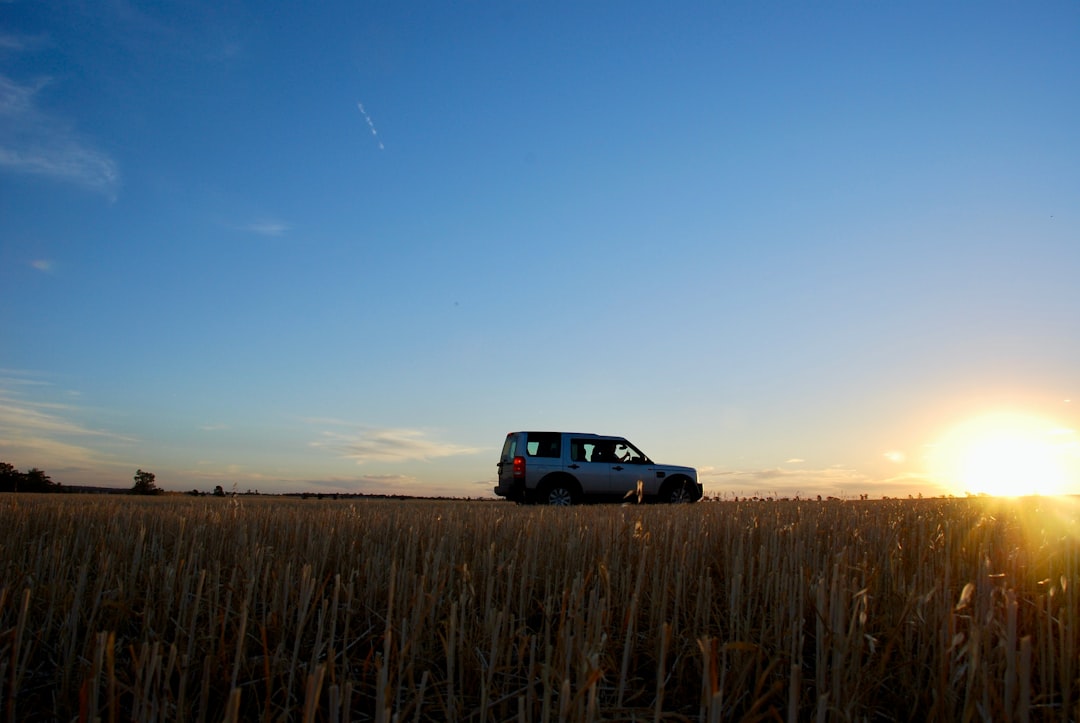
(12, 480)
(219, 491)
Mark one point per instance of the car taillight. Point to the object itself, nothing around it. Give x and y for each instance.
(519, 467)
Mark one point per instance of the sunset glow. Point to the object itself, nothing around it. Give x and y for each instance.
(1008, 455)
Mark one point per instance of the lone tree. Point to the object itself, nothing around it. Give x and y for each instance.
(144, 484)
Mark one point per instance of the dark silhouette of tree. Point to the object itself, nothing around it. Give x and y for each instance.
(219, 491)
(12, 480)
(9, 478)
(37, 481)
(144, 484)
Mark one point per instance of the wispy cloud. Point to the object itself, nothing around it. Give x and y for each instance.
(48, 434)
(36, 142)
(14, 42)
(369, 483)
(267, 227)
(18, 100)
(24, 417)
(387, 445)
(19, 378)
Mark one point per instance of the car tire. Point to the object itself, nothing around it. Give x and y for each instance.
(558, 494)
(679, 491)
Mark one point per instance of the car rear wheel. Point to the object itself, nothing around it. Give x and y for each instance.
(558, 494)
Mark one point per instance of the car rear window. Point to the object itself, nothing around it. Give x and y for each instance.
(509, 447)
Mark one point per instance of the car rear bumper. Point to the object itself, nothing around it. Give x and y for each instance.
(511, 489)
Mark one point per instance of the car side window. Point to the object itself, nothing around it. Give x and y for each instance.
(582, 451)
(544, 444)
(609, 451)
(590, 451)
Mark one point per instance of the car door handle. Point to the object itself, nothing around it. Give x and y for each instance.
(617, 468)
(572, 466)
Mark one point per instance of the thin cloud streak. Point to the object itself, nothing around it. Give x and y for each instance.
(268, 227)
(14, 42)
(36, 143)
(59, 454)
(17, 100)
(17, 416)
(387, 484)
(10, 378)
(63, 159)
(41, 434)
(388, 445)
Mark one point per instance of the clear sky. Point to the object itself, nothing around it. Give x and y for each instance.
(817, 248)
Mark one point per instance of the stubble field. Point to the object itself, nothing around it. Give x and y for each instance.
(202, 609)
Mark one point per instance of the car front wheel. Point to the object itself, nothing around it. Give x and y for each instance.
(680, 492)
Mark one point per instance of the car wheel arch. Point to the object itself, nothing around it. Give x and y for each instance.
(675, 482)
(559, 479)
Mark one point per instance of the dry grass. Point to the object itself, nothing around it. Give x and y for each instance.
(265, 610)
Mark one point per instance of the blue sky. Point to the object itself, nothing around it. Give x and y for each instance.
(349, 246)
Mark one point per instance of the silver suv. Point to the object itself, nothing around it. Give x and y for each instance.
(564, 468)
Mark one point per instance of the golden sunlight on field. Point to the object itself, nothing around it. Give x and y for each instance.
(181, 609)
(1008, 454)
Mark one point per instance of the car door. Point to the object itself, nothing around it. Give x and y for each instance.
(585, 463)
(543, 455)
(624, 473)
(626, 469)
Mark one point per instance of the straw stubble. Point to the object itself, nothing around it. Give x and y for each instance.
(276, 609)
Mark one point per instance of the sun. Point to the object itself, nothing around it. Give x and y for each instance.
(1008, 454)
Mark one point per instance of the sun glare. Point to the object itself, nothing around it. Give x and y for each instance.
(1008, 455)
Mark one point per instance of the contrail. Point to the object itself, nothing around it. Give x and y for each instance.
(370, 125)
